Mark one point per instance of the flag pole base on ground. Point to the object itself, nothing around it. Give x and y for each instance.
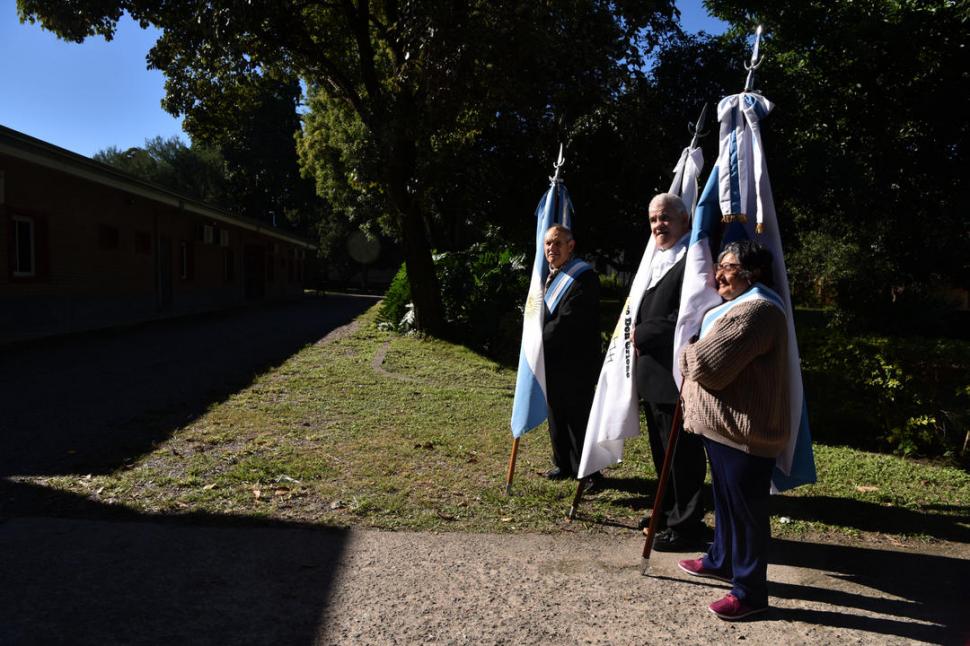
(576, 500)
(645, 566)
(511, 471)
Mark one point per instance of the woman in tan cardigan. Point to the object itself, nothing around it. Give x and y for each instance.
(736, 397)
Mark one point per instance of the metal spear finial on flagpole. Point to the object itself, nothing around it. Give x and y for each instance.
(755, 61)
(557, 165)
(698, 129)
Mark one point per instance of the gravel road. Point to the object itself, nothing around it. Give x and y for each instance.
(76, 581)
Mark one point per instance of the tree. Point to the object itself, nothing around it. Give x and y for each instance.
(195, 171)
(397, 90)
(257, 140)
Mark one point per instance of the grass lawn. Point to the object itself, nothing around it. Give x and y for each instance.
(420, 441)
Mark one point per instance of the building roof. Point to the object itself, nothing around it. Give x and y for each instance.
(27, 148)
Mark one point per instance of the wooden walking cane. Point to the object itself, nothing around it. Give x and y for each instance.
(511, 472)
(662, 484)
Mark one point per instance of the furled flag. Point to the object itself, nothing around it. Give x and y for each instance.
(615, 414)
(737, 189)
(529, 407)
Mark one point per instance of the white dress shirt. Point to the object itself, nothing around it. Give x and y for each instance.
(664, 259)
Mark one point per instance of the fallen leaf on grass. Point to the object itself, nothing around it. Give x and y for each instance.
(257, 493)
(209, 486)
(866, 488)
(507, 520)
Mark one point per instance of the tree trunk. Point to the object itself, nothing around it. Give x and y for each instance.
(425, 291)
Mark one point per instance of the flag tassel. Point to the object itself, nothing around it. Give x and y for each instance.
(511, 471)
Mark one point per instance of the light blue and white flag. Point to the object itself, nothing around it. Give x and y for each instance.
(615, 414)
(529, 408)
(738, 194)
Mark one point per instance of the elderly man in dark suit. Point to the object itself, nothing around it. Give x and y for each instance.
(653, 337)
(571, 346)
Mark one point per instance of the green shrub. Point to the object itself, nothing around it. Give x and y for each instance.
(907, 395)
(483, 290)
(396, 300)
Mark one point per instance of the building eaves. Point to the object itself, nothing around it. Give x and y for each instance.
(29, 149)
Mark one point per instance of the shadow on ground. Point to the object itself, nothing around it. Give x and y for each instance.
(943, 522)
(91, 403)
(142, 579)
(75, 571)
(928, 590)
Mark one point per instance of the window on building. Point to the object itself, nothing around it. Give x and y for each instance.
(25, 246)
(186, 261)
(229, 265)
(107, 236)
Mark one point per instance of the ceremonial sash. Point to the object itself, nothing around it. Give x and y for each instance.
(757, 292)
(563, 282)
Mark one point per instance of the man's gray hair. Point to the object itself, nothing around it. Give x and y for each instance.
(565, 231)
(671, 201)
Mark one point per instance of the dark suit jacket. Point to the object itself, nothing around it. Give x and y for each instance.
(655, 324)
(571, 338)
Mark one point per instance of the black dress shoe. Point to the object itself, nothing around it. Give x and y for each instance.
(670, 540)
(644, 522)
(556, 473)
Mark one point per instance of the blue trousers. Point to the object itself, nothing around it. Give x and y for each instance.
(741, 484)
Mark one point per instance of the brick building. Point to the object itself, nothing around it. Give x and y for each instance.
(85, 246)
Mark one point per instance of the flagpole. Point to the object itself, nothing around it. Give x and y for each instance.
(697, 131)
(662, 485)
(576, 500)
(511, 471)
(557, 165)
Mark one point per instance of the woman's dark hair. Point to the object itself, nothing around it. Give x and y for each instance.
(754, 258)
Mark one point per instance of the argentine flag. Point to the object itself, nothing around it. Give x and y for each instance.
(738, 195)
(529, 408)
(615, 414)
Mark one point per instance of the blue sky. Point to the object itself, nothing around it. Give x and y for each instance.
(98, 94)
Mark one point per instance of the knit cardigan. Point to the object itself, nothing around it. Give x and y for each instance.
(736, 380)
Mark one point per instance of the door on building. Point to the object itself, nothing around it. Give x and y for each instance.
(163, 272)
(254, 271)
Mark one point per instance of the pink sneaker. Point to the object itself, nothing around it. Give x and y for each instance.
(695, 567)
(730, 608)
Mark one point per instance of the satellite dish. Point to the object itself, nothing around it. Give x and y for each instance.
(363, 249)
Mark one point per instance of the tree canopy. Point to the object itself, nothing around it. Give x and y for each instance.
(868, 146)
(436, 122)
(194, 171)
(401, 94)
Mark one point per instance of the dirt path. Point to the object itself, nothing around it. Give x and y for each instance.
(145, 582)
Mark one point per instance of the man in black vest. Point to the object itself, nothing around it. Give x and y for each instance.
(571, 346)
(653, 336)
